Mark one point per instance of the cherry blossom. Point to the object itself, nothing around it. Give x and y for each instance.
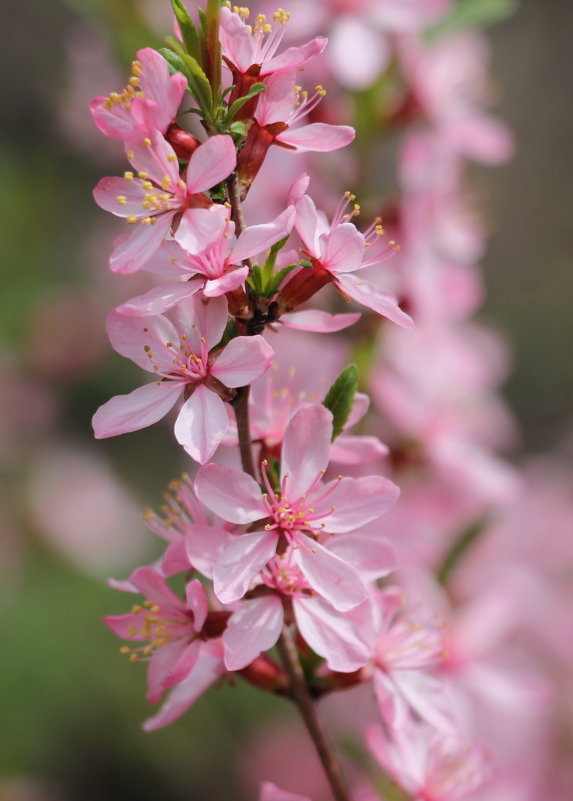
(178, 352)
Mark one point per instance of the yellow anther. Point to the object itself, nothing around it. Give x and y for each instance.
(281, 16)
(147, 185)
(122, 200)
(132, 631)
(130, 154)
(203, 340)
(134, 81)
(128, 175)
(171, 157)
(182, 184)
(147, 142)
(125, 649)
(131, 219)
(313, 550)
(143, 175)
(148, 221)
(136, 68)
(146, 348)
(134, 657)
(166, 182)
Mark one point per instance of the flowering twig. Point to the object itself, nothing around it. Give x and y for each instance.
(289, 656)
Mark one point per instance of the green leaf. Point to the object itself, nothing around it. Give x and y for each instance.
(340, 398)
(272, 286)
(255, 90)
(472, 14)
(239, 129)
(255, 280)
(198, 83)
(269, 265)
(187, 28)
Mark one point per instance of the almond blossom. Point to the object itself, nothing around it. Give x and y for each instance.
(180, 642)
(428, 765)
(178, 351)
(337, 250)
(297, 516)
(158, 201)
(151, 98)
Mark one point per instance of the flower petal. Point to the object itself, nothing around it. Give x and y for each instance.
(231, 494)
(372, 555)
(356, 501)
(318, 137)
(241, 563)
(226, 283)
(242, 361)
(141, 408)
(253, 628)
(204, 545)
(368, 295)
(259, 238)
(306, 448)
(136, 338)
(343, 249)
(332, 635)
(211, 163)
(201, 424)
(159, 299)
(320, 322)
(133, 251)
(331, 577)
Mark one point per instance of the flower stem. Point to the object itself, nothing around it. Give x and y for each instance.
(289, 656)
(241, 407)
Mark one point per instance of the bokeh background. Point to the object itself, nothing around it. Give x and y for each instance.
(70, 507)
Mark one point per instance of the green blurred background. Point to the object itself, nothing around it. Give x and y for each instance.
(70, 705)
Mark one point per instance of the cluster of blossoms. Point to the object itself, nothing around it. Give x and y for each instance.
(284, 550)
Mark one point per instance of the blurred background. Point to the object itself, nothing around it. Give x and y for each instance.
(70, 507)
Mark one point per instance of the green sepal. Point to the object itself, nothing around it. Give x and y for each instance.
(255, 90)
(231, 331)
(340, 398)
(187, 28)
(268, 267)
(255, 280)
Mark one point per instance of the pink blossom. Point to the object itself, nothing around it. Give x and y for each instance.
(250, 51)
(180, 648)
(158, 201)
(428, 765)
(337, 250)
(217, 266)
(297, 517)
(177, 351)
(151, 97)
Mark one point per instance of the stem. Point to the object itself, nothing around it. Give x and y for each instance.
(465, 541)
(213, 49)
(241, 406)
(289, 656)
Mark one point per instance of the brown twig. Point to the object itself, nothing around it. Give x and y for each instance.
(289, 656)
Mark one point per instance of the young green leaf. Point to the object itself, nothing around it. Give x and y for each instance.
(198, 83)
(255, 90)
(187, 28)
(472, 14)
(340, 398)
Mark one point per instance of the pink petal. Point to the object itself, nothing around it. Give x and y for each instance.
(211, 163)
(207, 669)
(134, 251)
(252, 629)
(161, 664)
(242, 361)
(157, 159)
(372, 555)
(368, 295)
(270, 792)
(201, 424)
(231, 494)
(359, 409)
(123, 625)
(320, 322)
(354, 35)
(259, 238)
(226, 283)
(136, 337)
(295, 56)
(241, 563)
(131, 193)
(236, 41)
(307, 224)
(356, 501)
(198, 228)
(306, 448)
(204, 545)
(343, 250)
(153, 586)
(182, 667)
(166, 90)
(199, 318)
(141, 408)
(318, 137)
(332, 635)
(116, 122)
(348, 449)
(331, 577)
(175, 559)
(197, 603)
(159, 299)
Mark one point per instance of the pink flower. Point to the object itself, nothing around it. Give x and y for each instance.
(428, 765)
(249, 51)
(336, 251)
(182, 645)
(151, 97)
(281, 106)
(407, 649)
(177, 351)
(217, 267)
(297, 517)
(159, 200)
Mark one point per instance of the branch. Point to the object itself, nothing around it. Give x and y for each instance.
(289, 656)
